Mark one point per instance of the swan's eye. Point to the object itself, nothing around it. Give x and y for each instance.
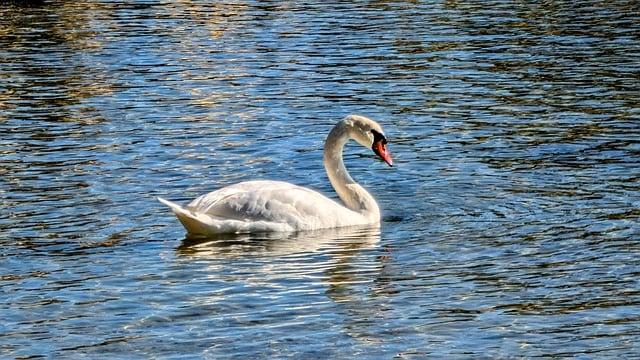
(378, 137)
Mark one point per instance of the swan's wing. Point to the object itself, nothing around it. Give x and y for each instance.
(274, 202)
(197, 223)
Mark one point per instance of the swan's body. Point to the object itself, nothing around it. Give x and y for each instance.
(265, 206)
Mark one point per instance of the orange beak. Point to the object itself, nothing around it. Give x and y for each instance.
(380, 148)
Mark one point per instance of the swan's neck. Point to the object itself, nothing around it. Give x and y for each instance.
(354, 196)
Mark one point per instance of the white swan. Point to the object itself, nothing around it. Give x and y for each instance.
(266, 206)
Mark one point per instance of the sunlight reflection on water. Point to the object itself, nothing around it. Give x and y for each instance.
(510, 219)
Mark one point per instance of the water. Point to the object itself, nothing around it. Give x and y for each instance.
(511, 221)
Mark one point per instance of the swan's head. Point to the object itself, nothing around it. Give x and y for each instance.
(369, 134)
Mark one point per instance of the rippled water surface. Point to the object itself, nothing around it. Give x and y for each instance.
(510, 223)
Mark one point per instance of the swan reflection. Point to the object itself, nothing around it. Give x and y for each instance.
(335, 241)
(340, 268)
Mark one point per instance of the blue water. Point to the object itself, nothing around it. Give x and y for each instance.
(510, 221)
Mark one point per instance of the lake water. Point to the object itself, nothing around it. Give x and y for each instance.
(511, 223)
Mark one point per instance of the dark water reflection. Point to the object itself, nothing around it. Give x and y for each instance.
(510, 223)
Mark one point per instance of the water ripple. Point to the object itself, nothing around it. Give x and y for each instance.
(510, 221)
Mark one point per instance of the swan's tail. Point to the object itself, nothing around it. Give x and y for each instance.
(194, 223)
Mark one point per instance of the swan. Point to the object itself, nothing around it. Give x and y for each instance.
(276, 206)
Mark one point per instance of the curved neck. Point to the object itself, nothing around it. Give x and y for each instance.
(354, 196)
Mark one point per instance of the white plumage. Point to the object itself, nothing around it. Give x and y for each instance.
(266, 206)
